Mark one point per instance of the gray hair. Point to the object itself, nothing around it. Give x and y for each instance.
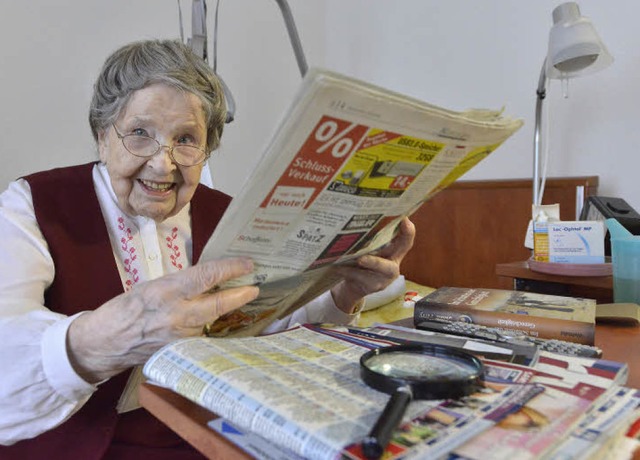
(140, 64)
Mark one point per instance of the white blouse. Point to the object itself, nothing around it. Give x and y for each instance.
(39, 389)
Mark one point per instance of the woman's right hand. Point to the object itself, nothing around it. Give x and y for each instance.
(128, 329)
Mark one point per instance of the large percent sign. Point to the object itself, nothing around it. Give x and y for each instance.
(328, 134)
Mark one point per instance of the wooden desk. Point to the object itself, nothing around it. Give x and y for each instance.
(189, 421)
(619, 342)
(599, 288)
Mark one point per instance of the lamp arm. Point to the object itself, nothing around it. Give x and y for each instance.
(541, 93)
(293, 36)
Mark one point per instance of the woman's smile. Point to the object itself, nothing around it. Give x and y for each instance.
(155, 187)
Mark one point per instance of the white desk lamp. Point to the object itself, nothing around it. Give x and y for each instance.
(575, 49)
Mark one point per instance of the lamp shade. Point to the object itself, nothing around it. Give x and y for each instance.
(575, 49)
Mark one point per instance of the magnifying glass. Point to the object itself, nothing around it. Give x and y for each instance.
(407, 372)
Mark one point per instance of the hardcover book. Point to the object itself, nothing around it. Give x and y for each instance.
(571, 319)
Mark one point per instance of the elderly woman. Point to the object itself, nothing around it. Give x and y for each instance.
(90, 288)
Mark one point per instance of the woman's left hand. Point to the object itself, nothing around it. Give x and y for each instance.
(373, 273)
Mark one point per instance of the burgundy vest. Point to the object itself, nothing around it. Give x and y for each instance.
(69, 216)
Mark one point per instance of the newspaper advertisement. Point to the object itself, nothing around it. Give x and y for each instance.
(301, 389)
(348, 161)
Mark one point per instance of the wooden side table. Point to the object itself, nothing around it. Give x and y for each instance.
(599, 288)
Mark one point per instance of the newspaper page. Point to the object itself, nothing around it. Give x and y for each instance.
(602, 427)
(301, 389)
(347, 163)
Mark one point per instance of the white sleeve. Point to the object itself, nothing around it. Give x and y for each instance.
(40, 389)
(320, 310)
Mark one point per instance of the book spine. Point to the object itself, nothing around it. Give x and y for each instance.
(535, 326)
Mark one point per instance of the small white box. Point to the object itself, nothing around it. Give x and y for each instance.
(576, 242)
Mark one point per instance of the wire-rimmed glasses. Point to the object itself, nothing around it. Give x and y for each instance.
(145, 147)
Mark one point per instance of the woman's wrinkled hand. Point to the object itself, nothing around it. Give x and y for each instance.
(126, 330)
(373, 273)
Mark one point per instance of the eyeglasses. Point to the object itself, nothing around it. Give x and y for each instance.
(145, 146)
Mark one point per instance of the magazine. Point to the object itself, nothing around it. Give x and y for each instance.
(602, 428)
(347, 163)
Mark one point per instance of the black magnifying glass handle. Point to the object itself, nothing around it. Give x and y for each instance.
(374, 444)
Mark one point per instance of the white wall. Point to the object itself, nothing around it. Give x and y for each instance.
(454, 53)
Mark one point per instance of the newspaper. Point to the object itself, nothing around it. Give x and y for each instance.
(301, 389)
(348, 161)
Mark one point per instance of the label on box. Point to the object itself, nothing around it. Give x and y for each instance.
(576, 242)
(541, 215)
(540, 242)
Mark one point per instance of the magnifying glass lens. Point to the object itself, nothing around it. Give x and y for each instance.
(413, 365)
(414, 372)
